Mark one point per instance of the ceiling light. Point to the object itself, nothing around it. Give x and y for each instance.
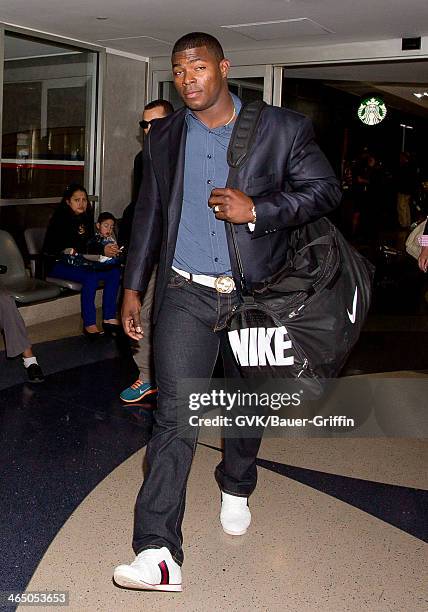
(420, 95)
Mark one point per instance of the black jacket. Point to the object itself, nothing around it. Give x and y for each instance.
(287, 176)
(125, 225)
(138, 175)
(67, 230)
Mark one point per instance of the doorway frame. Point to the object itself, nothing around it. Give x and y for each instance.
(268, 72)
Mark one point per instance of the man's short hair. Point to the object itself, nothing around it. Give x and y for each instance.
(199, 39)
(167, 106)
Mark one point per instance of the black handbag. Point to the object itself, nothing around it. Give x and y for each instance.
(303, 321)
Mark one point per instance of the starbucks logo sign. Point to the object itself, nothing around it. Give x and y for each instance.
(372, 110)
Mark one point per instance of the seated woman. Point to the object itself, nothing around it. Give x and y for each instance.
(70, 230)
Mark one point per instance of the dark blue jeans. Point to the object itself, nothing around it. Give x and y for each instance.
(189, 333)
(89, 278)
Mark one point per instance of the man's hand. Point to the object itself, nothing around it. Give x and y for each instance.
(111, 250)
(423, 259)
(231, 205)
(131, 308)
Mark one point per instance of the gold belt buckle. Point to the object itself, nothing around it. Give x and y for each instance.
(224, 284)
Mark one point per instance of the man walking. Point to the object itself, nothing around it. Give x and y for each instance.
(286, 181)
(143, 353)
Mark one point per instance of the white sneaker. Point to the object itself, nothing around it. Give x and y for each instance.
(235, 515)
(154, 569)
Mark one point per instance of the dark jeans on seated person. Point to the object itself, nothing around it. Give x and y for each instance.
(188, 335)
(89, 278)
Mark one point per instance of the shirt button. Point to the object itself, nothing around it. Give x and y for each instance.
(209, 156)
(212, 233)
(209, 181)
(215, 258)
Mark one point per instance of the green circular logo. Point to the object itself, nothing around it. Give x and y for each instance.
(372, 110)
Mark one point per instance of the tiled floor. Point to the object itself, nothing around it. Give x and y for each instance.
(306, 550)
(338, 525)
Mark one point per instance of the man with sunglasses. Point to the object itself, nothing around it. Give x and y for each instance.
(157, 109)
(144, 386)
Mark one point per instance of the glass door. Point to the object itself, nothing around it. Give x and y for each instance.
(48, 118)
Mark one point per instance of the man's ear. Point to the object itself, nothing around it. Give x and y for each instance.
(224, 67)
(98, 225)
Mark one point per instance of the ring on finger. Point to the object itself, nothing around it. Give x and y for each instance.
(216, 209)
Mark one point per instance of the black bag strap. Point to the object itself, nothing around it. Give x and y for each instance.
(244, 132)
(241, 142)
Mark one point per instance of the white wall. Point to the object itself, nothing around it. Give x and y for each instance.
(124, 99)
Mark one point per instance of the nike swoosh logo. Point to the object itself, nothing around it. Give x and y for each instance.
(352, 315)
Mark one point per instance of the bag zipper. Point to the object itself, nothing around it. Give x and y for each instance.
(294, 313)
(299, 352)
(304, 367)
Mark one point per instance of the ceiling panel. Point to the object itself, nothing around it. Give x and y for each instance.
(144, 45)
(348, 20)
(299, 28)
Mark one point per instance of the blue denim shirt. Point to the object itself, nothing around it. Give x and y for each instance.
(201, 242)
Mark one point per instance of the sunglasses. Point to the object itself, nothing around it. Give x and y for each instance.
(145, 124)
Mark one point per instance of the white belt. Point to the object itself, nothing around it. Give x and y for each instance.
(222, 284)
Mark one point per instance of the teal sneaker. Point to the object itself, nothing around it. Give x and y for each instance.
(137, 391)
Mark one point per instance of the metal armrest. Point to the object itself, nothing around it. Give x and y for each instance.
(39, 269)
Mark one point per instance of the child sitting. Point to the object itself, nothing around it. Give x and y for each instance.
(104, 237)
(96, 254)
(104, 234)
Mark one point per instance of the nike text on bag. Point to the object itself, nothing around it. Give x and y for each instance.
(253, 346)
(303, 321)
